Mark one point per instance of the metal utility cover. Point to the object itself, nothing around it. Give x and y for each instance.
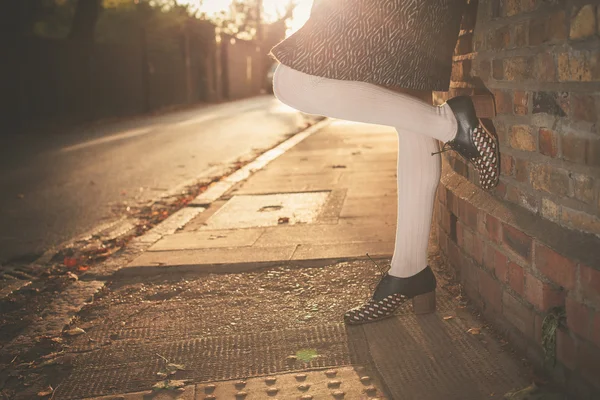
(251, 211)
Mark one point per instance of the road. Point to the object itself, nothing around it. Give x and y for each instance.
(55, 187)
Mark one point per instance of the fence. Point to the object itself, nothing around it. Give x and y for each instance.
(63, 80)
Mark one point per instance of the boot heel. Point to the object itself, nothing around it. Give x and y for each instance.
(485, 106)
(424, 304)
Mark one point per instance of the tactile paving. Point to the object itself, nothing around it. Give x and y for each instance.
(348, 383)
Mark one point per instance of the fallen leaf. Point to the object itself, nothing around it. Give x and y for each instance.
(168, 384)
(46, 392)
(175, 367)
(70, 262)
(83, 268)
(446, 318)
(74, 332)
(72, 276)
(474, 331)
(306, 355)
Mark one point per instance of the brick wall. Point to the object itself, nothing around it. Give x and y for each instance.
(534, 243)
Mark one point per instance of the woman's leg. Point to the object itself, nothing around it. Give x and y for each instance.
(418, 177)
(418, 172)
(362, 102)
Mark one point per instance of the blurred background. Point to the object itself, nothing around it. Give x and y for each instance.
(110, 104)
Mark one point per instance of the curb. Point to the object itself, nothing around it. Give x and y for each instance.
(239, 267)
(77, 295)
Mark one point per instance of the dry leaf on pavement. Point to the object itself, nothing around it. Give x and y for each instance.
(46, 392)
(74, 332)
(474, 331)
(70, 262)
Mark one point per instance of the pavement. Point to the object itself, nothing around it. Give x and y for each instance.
(245, 298)
(58, 186)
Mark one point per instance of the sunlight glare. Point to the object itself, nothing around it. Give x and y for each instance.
(271, 9)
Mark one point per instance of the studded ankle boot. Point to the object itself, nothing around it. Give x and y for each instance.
(392, 293)
(474, 141)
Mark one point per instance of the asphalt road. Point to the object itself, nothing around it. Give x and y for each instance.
(55, 187)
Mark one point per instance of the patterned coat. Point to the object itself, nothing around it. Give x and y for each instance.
(402, 43)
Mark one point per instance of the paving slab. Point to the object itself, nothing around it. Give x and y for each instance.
(203, 260)
(324, 234)
(209, 239)
(342, 251)
(333, 192)
(355, 207)
(268, 210)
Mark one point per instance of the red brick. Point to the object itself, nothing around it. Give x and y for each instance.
(577, 66)
(500, 190)
(549, 179)
(500, 266)
(557, 268)
(484, 70)
(503, 102)
(589, 363)
(468, 213)
(513, 7)
(522, 137)
(454, 254)
(493, 228)
(590, 283)
(445, 219)
(459, 234)
(518, 315)
(516, 277)
(461, 71)
(464, 45)
(497, 69)
(443, 241)
(521, 103)
(524, 199)
(522, 170)
(518, 68)
(596, 330)
(442, 194)
(583, 22)
(580, 220)
(542, 295)
(452, 202)
(481, 229)
(550, 29)
(507, 164)
(499, 39)
(584, 108)
(490, 290)
(578, 318)
(477, 250)
(583, 187)
(468, 241)
(520, 35)
(548, 142)
(517, 241)
(544, 69)
(566, 349)
(581, 150)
